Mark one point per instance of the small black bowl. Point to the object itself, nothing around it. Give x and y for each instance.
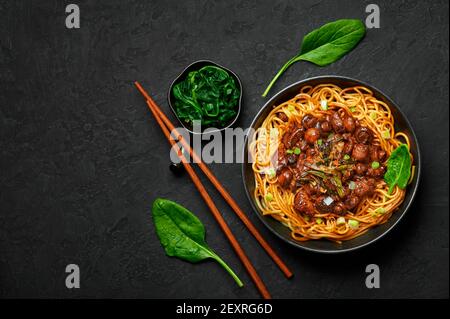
(326, 246)
(194, 67)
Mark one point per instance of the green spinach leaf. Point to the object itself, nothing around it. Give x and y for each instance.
(182, 234)
(398, 168)
(210, 95)
(326, 45)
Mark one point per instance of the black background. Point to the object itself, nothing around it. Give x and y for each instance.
(82, 158)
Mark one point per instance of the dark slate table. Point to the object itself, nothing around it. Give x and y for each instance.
(82, 159)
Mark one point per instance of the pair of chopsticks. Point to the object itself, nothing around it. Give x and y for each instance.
(167, 127)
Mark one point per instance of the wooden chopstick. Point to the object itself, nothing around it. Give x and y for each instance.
(217, 215)
(242, 216)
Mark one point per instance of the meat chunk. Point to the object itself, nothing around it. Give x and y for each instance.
(348, 147)
(361, 152)
(376, 172)
(339, 208)
(363, 135)
(364, 187)
(309, 121)
(285, 177)
(374, 152)
(321, 206)
(312, 135)
(351, 202)
(295, 137)
(360, 168)
(303, 203)
(349, 124)
(325, 126)
(377, 154)
(337, 123)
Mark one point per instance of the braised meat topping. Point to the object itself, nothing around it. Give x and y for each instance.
(329, 162)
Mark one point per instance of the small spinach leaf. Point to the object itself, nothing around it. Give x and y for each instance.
(182, 234)
(326, 45)
(331, 41)
(398, 168)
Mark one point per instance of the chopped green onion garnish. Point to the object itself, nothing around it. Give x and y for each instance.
(297, 151)
(380, 210)
(338, 184)
(352, 185)
(340, 221)
(317, 173)
(319, 142)
(373, 115)
(346, 157)
(319, 221)
(269, 197)
(291, 108)
(375, 165)
(353, 223)
(289, 151)
(330, 136)
(271, 172)
(386, 135)
(324, 105)
(353, 109)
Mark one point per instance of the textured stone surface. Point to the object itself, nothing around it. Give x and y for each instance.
(82, 159)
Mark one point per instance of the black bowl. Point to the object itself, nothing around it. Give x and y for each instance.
(323, 245)
(197, 65)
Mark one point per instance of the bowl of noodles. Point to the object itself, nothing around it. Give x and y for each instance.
(331, 164)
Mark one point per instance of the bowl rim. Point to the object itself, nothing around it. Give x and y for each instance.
(417, 160)
(182, 74)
